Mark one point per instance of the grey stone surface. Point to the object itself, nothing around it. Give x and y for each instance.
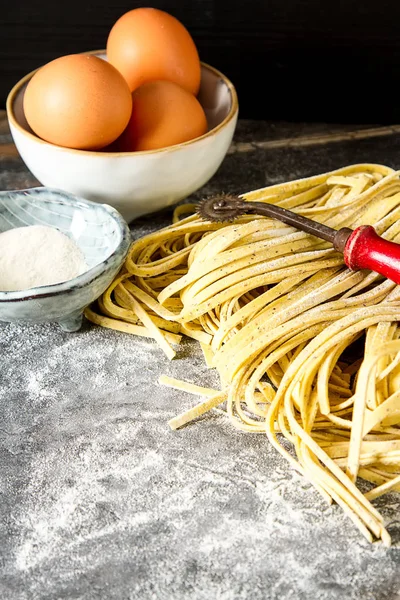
(100, 500)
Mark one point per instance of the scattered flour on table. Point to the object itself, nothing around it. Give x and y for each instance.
(105, 481)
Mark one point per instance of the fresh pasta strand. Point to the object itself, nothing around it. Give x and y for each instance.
(277, 314)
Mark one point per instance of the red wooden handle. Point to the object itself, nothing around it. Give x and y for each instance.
(365, 249)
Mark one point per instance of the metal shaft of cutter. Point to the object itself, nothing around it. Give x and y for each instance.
(286, 216)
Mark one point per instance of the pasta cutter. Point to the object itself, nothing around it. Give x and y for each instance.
(362, 248)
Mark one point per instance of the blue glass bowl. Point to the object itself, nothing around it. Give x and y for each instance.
(99, 231)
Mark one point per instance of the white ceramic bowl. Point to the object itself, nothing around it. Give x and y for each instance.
(135, 183)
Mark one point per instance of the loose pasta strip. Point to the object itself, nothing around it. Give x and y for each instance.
(198, 410)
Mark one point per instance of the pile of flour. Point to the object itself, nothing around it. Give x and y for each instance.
(37, 255)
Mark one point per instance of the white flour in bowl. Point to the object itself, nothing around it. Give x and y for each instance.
(37, 255)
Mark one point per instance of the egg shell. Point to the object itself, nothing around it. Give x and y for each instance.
(163, 114)
(148, 44)
(78, 101)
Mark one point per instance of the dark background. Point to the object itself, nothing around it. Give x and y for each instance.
(305, 60)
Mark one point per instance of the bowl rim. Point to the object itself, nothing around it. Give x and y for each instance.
(230, 116)
(86, 278)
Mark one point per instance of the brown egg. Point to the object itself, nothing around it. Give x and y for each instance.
(163, 114)
(147, 44)
(78, 101)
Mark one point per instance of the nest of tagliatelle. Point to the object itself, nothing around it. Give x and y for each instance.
(277, 314)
